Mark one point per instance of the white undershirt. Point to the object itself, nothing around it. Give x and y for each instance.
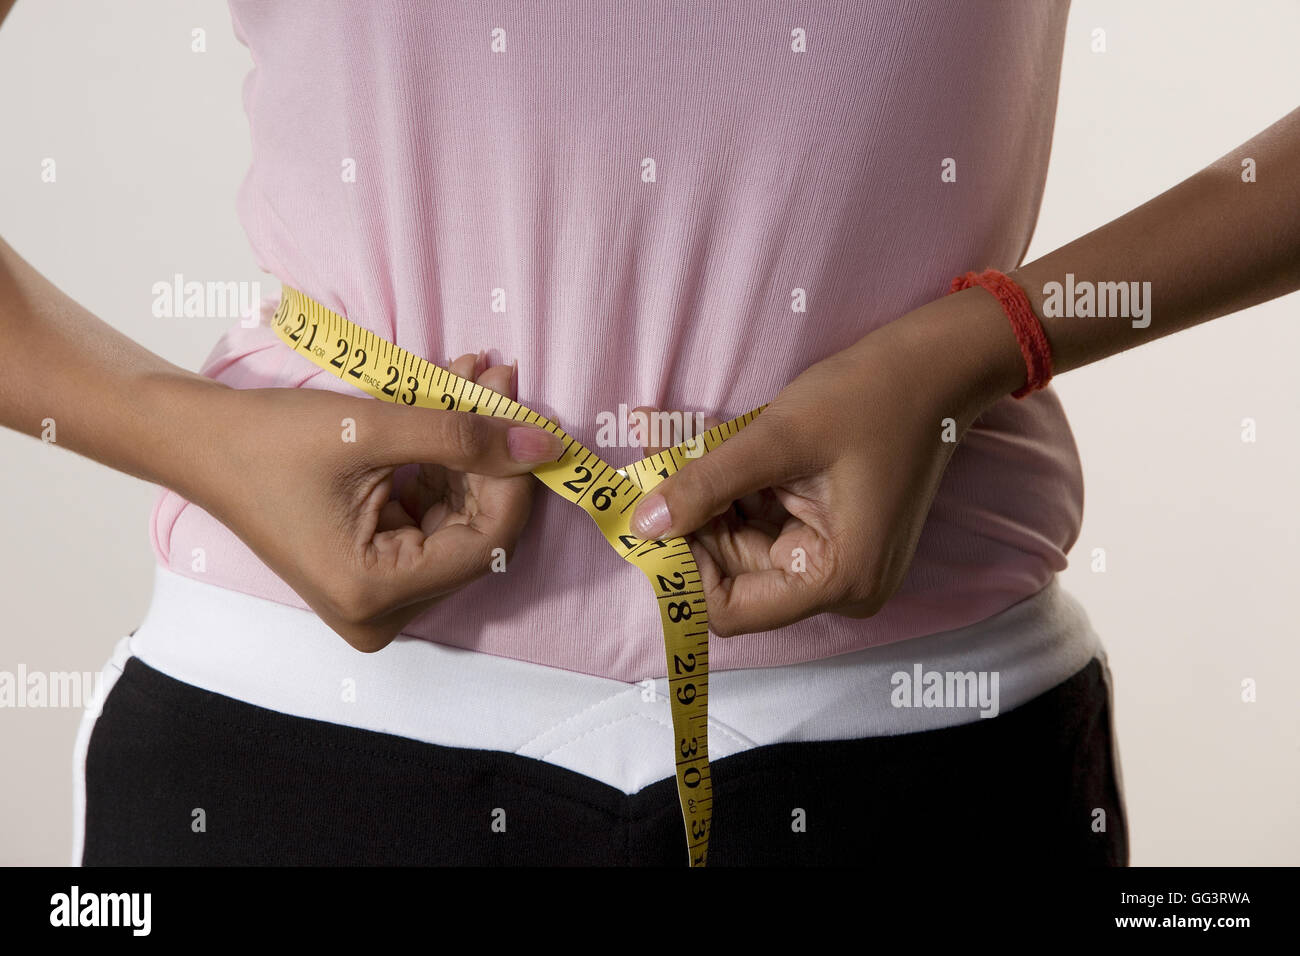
(286, 659)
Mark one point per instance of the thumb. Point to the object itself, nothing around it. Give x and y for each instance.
(461, 441)
(754, 459)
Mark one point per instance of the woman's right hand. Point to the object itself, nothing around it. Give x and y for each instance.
(367, 543)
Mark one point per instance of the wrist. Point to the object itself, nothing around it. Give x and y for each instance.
(176, 420)
(963, 348)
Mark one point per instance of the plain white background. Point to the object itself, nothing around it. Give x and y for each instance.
(1200, 529)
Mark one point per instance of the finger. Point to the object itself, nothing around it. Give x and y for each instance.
(759, 601)
(760, 456)
(408, 572)
(789, 583)
(498, 378)
(423, 488)
(392, 516)
(463, 441)
(465, 365)
(501, 508)
(405, 566)
(420, 486)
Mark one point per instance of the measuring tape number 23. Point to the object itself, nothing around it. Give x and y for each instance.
(607, 494)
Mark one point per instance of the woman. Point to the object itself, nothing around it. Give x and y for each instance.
(693, 210)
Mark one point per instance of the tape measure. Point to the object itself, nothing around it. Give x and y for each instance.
(607, 494)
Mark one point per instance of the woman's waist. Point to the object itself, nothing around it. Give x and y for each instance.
(564, 599)
(286, 659)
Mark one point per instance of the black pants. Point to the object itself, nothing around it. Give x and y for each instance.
(178, 775)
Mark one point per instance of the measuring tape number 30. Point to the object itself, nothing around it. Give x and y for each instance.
(607, 494)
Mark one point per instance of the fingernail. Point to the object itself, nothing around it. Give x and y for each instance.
(514, 380)
(651, 517)
(480, 363)
(532, 445)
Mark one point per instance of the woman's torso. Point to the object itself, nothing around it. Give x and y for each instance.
(453, 188)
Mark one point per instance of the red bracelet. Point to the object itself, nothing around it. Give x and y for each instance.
(1029, 331)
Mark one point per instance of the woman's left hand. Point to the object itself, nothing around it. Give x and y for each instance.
(818, 503)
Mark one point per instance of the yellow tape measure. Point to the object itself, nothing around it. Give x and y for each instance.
(608, 494)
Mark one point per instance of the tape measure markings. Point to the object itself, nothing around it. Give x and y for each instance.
(669, 566)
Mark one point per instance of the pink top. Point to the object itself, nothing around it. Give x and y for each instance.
(794, 146)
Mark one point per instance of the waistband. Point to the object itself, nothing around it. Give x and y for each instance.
(287, 660)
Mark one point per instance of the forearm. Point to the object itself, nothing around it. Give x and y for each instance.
(1212, 245)
(71, 377)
